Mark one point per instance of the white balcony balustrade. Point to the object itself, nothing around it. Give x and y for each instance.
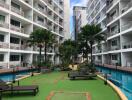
(4, 45)
(15, 28)
(127, 45)
(125, 8)
(18, 11)
(126, 26)
(3, 4)
(15, 46)
(4, 24)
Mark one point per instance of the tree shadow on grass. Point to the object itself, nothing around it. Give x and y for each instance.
(17, 94)
(84, 78)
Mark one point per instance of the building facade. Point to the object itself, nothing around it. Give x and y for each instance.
(79, 19)
(18, 18)
(67, 34)
(114, 17)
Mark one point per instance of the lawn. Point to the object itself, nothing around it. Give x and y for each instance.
(58, 81)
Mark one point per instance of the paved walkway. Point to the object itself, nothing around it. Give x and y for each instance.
(126, 69)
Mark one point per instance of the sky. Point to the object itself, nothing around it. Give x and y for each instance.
(75, 3)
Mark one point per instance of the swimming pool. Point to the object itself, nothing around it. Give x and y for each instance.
(121, 79)
(9, 77)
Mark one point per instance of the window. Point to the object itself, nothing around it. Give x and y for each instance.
(113, 14)
(2, 18)
(114, 42)
(14, 40)
(114, 57)
(15, 5)
(1, 38)
(40, 6)
(1, 57)
(15, 23)
(40, 19)
(14, 57)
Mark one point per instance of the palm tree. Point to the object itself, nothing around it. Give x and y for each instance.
(37, 39)
(49, 40)
(67, 52)
(91, 34)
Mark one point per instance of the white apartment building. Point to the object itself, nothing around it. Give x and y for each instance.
(18, 18)
(115, 18)
(79, 18)
(67, 34)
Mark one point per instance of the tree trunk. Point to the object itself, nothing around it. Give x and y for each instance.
(45, 50)
(40, 58)
(40, 55)
(91, 53)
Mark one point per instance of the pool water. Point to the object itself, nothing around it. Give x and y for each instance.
(10, 77)
(121, 79)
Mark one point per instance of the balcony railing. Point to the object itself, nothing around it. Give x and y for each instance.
(3, 4)
(129, 5)
(41, 23)
(20, 12)
(112, 18)
(112, 3)
(4, 45)
(115, 48)
(28, 2)
(127, 45)
(3, 65)
(15, 28)
(4, 25)
(15, 46)
(13, 64)
(41, 10)
(25, 47)
(116, 31)
(126, 26)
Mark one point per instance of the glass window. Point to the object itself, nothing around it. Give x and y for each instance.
(15, 5)
(1, 38)
(114, 43)
(14, 40)
(40, 6)
(40, 19)
(114, 57)
(15, 23)
(1, 57)
(14, 57)
(2, 18)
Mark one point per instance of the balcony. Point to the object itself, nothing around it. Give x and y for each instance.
(4, 25)
(4, 45)
(4, 5)
(28, 2)
(25, 47)
(41, 10)
(111, 3)
(116, 31)
(18, 29)
(12, 64)
(20, 12)
(15, 46)
(115, 47)
(112, 18)
(126, 26)
(41, 23)
(127, 45)
(129, 5)
(3, 65)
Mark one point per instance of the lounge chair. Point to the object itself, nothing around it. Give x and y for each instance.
(83, 73)
(9, 87)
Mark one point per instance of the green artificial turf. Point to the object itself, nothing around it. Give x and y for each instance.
(69, 96)
(58, 81)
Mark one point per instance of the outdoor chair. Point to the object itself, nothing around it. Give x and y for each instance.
(4, 87)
